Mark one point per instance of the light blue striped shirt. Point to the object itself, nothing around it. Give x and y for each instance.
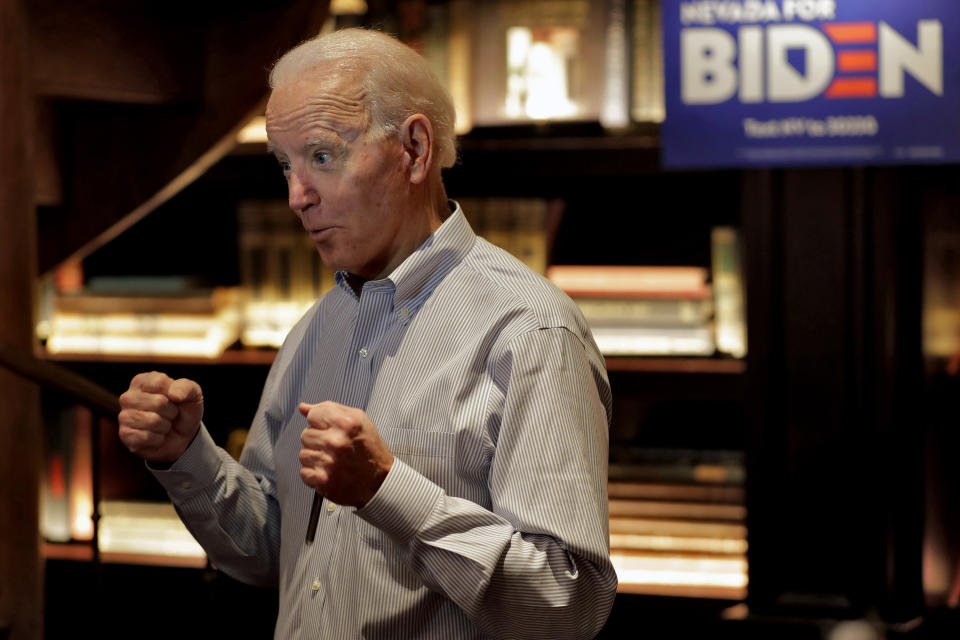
(485, 384)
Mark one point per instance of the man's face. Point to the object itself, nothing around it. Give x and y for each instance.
(349, 190)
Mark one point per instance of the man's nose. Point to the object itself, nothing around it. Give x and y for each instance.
(300, 194)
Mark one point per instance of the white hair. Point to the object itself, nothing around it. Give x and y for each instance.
(396, 80)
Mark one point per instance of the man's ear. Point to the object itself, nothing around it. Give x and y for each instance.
(417, 137)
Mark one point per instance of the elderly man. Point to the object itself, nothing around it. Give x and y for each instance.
(447, 404)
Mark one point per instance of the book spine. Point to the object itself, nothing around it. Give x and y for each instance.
(616, 101)
(656, 102)
(645, 311)
(728, 290)
(54, 510)
(642, 54)
(630, 281)
(667, 341)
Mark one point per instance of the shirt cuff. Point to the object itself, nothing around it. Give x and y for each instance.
(193, 471)
(402, 503)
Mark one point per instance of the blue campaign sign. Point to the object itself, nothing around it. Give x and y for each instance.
(753, 83)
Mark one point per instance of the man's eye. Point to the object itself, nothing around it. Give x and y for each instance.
(322, 157)
(284, 166)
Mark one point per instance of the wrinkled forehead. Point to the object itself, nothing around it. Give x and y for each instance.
(328, 95)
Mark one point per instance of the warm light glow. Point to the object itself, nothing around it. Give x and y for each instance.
(145, 528)
(133, 323)
(678, 543)
(622, 341)
(348, 7)
(680, 571)
(266, 324)
(81, 525)
(538, 85)
(144, 333)
(54, 516)
(459, 77)
(254, 131)
(80, 501)
(211, 345)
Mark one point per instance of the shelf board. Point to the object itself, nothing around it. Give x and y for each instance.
(675, 365)
(683, 591)
(265, 357)
(231, 356)
(83, 552)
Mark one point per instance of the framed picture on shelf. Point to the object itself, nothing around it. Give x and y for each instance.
(538, 60)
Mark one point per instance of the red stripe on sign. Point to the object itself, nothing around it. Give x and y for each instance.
(851, 32)
(852, 88)
(857, 60)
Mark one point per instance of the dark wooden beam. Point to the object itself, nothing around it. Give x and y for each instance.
(115, 52)
(20, 440)
(125, 160)
(835, 468)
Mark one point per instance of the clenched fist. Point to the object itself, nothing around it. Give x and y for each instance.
(343, 456)
(160, 416)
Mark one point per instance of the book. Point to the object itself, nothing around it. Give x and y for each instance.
(728, 290)
(616, 100)
(459, 53)
(517, 225)
(648, 104)
(614, 312)
(676, 510)
(54, 494)
(80, 495)
(627, 281)
(281, 274)
(677, 466)
(677, 528)
(676, 492)
(665, 341)
(150, 528)
(642, 310)
(191, 302)
(192, 323)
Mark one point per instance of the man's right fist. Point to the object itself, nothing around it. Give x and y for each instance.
(160, 416)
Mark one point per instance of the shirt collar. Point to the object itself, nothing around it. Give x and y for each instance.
(417, 276)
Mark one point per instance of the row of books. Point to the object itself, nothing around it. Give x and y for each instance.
(678, 523)
(509, 61)
(518, 225)
(281, 276)
(631, 310)
(663, 310)
(141, 316)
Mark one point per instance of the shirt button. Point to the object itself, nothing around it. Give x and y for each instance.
(405, 313)
(331, 507)
(363, 352)
(315, 585)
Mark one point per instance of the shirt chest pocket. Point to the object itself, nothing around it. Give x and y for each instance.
(429, 452)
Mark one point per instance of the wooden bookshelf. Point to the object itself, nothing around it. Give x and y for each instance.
(256, 357)
(264, 357)
(83, 552)
(675, 365)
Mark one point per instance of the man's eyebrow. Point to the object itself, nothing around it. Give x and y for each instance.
(335, 142)
(272, 149)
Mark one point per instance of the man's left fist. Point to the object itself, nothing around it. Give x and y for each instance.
(344, 459)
